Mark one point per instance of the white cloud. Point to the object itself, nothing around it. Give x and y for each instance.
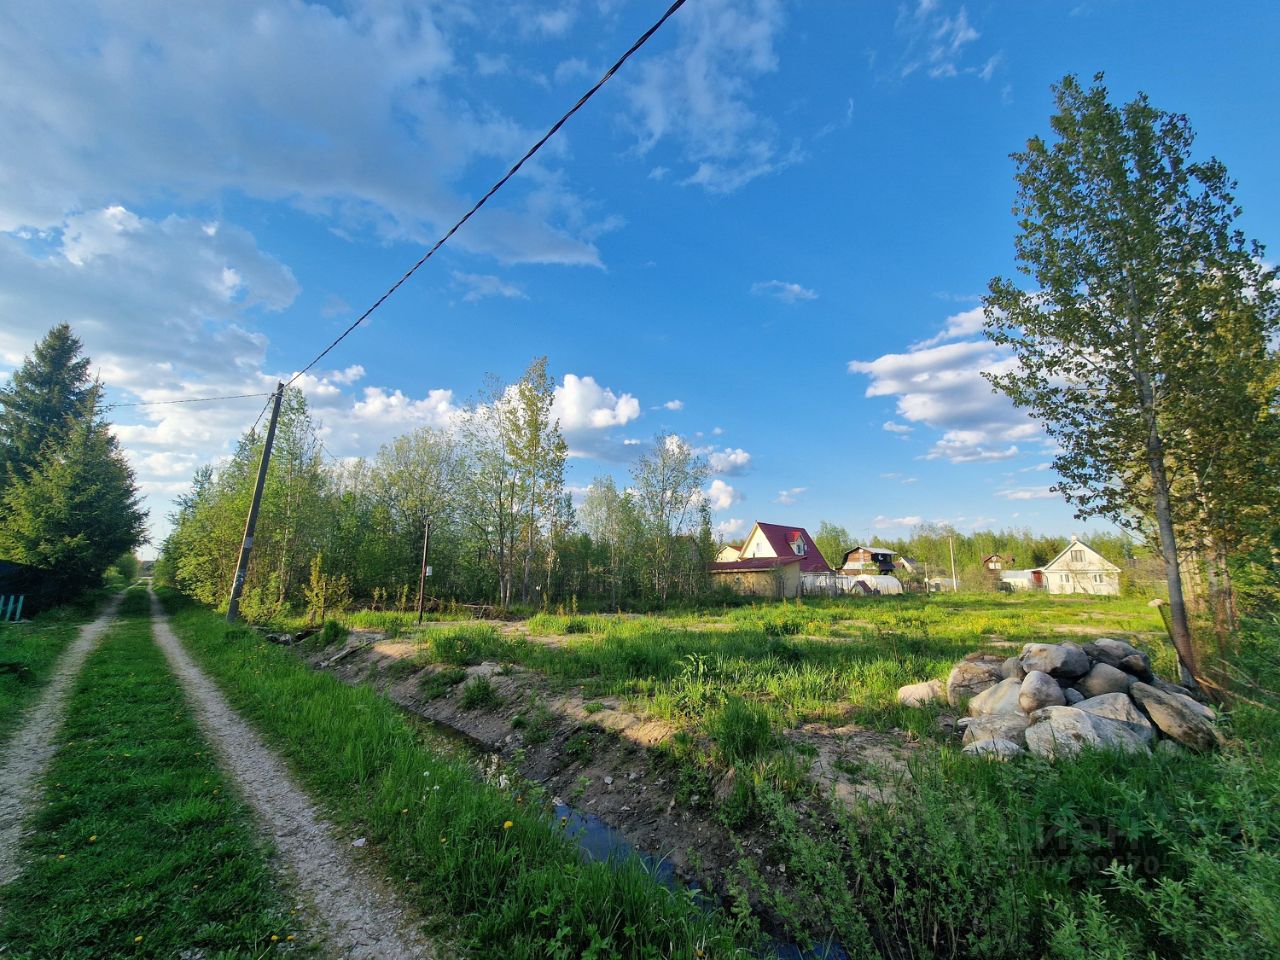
(721, 496)
(384, 407)
(890, 523)
(572, 69)
(895, 427)
(781, 290)
(1028, 493)
(942, 387)
(581, 403)
(728, 529)
(479, 286)
(936, 40)
(958, 325)
(788, 496)
(107, 103)
(730, 461)
(674, 405)
(699, 94)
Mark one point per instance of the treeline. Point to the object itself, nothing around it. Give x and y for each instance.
(490, 491)
(69, 505)
(930, 546)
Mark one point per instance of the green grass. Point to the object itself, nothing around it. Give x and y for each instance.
(478, 694)
(141, 835)
(33, 649)
(469, 645)
(521, 892)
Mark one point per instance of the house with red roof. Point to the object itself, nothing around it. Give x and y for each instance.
(771, 562)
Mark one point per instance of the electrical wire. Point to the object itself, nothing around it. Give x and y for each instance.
(497, 186)
(161, 403)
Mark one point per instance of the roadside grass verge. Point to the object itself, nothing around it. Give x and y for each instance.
(488, 863)
(30, 651)
(143, 848)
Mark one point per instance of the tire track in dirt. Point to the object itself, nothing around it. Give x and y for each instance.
(361, 917)
(28, 754)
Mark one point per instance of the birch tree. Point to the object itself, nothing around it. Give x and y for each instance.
(1132, 248)
(668, 491)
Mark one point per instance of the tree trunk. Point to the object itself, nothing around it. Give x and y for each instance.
(1179, 628)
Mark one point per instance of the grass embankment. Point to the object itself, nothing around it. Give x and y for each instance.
(1105, 857)
(488, 862)
(142, 848)
(30, 651)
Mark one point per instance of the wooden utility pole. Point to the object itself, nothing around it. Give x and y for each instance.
(246, 544)
(422, 574)
(951, 546)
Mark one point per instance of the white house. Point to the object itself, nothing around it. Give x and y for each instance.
(1077, 569)
(1081, 569)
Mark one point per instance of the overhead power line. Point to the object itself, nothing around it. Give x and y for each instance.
(161, 403)
(644, 37)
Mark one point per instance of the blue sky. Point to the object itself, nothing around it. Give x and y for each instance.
(768, 233)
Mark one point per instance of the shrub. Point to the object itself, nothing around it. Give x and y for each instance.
(742, 730)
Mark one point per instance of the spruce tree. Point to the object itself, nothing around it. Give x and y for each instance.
(42, 400)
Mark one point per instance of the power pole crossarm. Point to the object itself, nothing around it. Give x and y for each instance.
(250, 524)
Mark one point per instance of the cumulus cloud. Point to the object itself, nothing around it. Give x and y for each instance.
(733, 527)
(721, 496)
(941, 386)
(108, 103)
(586, 411)
(699, 95)
(781, 290)
(730, 461)
(890, 523)
(894, 427)
(674, 405)
(955, 327)
(1028, 493)
(788, 496)
(480, 286)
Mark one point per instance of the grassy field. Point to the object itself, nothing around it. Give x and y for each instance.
(31, 649)
(489, 863)
(143, 848)
(1108, 856)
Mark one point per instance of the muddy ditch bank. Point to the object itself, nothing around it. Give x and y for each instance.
(608, 762)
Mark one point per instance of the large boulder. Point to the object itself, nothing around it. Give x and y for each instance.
(1117, 735)
(1123, 656)
(1103, 679)
(997, 726)
(1061, 732)
(1012, 668)
(1118, 708)
(1139, 665)
(1000, 698)
(1175, 718)
(1073, 696)
(970, 677)
(1040, 690)
(996, 749)
(1062, 661)
(918, 694)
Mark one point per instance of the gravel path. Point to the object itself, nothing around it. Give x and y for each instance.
(32, 747)
(359, 914)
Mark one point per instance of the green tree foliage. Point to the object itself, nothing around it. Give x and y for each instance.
(44, 398)
(833, 543)
(668, 482)
(74, 511)
(1138, 271)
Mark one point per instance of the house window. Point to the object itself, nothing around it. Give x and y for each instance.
(1064, 578)
(1077, 556)
(798, 546)
(1098, 578)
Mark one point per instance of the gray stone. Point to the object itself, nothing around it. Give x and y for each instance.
(1012, 668)
(1138, 664)
(1062, 661)
(997, 726)
(1114, 650)
(970, 677)
(1073, 696)
(1040, 690)
(1169, 748)
(918, 694)
(994, 749)
(1001, 698)
(1175, 719)
(1207, 712)
(1117, 735)
(1061, 732)
(1168, 687)
(1103, 679)
(1116, 706)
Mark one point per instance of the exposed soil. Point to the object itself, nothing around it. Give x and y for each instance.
(33, 746)
(602, 758)
(351, 905)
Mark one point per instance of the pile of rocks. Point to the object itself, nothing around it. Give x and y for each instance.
(1055, 699)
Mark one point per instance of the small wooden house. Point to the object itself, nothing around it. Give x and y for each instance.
(877, 560)
(1077, 569)
(771, 562)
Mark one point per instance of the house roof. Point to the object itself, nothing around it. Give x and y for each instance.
(892, 553)
(1075, 544)
(780, 538)
(753, 563)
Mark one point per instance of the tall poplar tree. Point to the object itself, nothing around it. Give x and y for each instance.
(1134, 255)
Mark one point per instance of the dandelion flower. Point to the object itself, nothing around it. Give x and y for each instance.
(62, 856)
(405, 810)
(443, 840)
(289, 937)
(507, 825)
(274, 938)
(94, 838)
(137, 939)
